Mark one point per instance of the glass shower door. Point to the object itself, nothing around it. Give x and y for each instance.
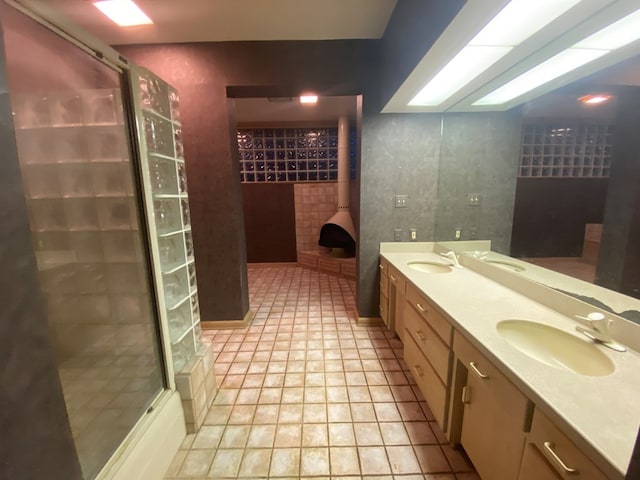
(83, 200)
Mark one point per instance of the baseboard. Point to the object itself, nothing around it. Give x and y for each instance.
(223, 324)
(273, 264)
(369, 321)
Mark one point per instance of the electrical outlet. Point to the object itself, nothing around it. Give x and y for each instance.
(401, 201)
(414, 234)
(473, 199)
(458, 233)
(397, 235)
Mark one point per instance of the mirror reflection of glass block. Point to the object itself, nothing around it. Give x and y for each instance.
(176, 287)
(182, 178)
(174, 102)
(129, 308)
(31, 111)
(172, 252)
(195, 308)
(87, 247)
(193, 284)
(75, 180)
(81, 214)
(66, 109)
(99, 107)
(41, 181)
(186, 214)
(154, 95)
(71, 145)
(179, 144)
(126, 277)
(179, 321)
(188, 242)
(115, 213)
(48, 215)
(35, 146)
(158, 135)
(167, 215)
(111, 179)
(106, 144)
(121, 246)
(162, 173)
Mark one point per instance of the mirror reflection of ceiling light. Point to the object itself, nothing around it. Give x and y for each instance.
(594, 99)
(308, 99)
(612, 37)
(516, 22)
(124, 13)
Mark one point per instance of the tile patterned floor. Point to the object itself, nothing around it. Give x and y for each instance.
(305, 393)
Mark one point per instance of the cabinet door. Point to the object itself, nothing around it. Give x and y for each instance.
(548, 448)
(494, 416)
(398, 281)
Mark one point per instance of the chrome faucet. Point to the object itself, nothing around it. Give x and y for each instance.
(451, 255)
(599, 330)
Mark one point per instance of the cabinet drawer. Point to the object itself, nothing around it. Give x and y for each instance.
(432, 346)
(558, 452)
(432, 388)
(426, 310)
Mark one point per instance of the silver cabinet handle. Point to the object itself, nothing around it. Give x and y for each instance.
(474, 367)
(421, 308)
(420, 335)
(418, 370)
(548, 446)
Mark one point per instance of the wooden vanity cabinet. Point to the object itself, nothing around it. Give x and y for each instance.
(397, 285)
(549, 454)
(495, 415)
(427, 351)
(384, 290)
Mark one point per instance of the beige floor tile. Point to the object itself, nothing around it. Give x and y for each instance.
(235, 436)
(335, 379)
(248, 396)
(293, 395)
(256, 463)
(314, 461)
(290, 413)
(387, 412)
(242, 414)
(457, 459)
(358, 394)
(270, 395)
(266, 414)
(226, 463)
(208, 436)
(341, 434)
(373, 460)
(337, 394)
(315, 395)
(314, 413)
(338, 412)
(381, 393)
(367, 433)
(394, 433)
(288, 435)
(403, 460)
(315, 435)
(420, 433)
(432, 459)
(410, 411)
(261, 436)
(362, 412)
(218, 415)
(344, 461)
(196, 463)
(285, 462)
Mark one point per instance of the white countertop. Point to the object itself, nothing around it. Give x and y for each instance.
(600, 414)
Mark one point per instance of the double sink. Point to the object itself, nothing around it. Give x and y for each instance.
(549, 345)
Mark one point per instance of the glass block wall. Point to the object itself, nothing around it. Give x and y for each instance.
(291, 154)
(565, 149)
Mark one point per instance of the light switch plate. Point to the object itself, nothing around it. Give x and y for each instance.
(397, 235)
(473, 199)
(401, 201)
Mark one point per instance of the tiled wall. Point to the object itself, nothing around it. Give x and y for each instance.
(565, 149)
(315, 204)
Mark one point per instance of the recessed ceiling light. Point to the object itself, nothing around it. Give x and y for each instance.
(308, 99)
(516, 22)
(612, 37)
(125, 13)
(594, 99)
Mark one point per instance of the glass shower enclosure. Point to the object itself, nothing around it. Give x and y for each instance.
(101, 158)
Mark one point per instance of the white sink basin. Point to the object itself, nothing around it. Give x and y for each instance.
(512, 267)
(555, 347)
(429, 267)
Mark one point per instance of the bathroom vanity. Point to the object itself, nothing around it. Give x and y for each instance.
(503, 369)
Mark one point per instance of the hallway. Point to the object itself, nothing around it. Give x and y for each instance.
(305, 393)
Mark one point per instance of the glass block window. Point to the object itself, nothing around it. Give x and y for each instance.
(565, 149)
(288, 154)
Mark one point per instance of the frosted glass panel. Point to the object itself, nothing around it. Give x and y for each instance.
(93, 268)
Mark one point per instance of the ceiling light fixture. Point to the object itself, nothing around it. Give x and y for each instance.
(594, 99)
(308, 99)
(124, 13)
(604, 41)
(516, 22)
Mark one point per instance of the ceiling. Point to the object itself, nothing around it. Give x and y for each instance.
(180, 21)
(284, 110)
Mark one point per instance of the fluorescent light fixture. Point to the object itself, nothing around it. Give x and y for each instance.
(612, 37)
(594, 99)
(556, 66)
(516, 22)
(309, 99)
(125, 13)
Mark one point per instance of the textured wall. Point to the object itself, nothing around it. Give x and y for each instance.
(36, 438)
(479, 154)
(202, 74)
(400, 155)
